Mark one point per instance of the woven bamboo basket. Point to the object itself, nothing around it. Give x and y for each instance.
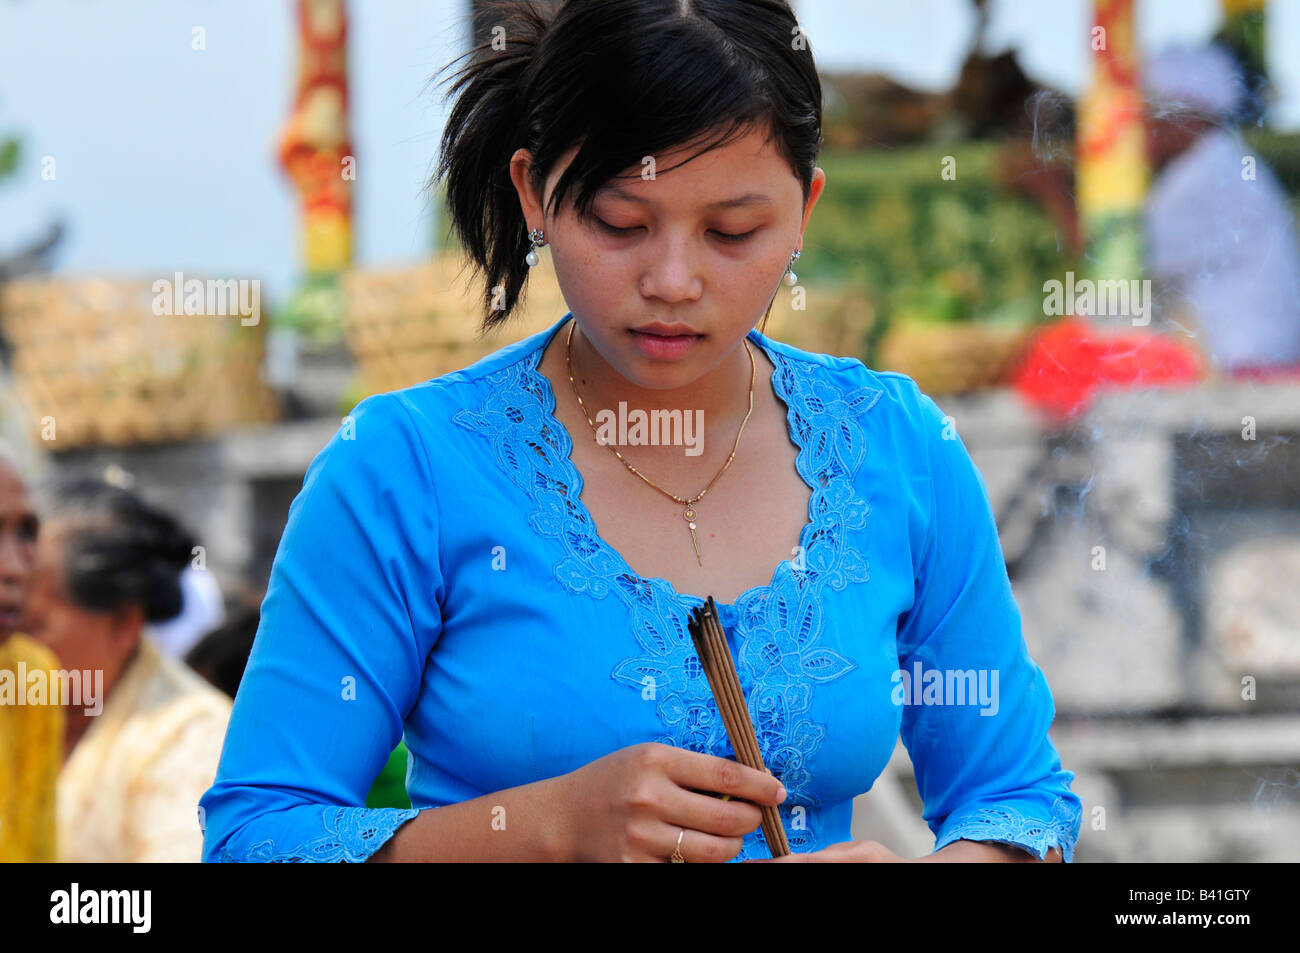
(93, 364)
(409, 324)
(954, 358)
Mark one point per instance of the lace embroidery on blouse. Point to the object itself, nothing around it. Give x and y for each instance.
(777, 627)
(351, 834)
(1008, 826)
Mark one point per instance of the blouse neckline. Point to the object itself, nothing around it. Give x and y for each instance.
(574, 479)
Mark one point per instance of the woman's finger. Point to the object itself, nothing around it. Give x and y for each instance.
(709, 815)
(706, 772)
(698, 847)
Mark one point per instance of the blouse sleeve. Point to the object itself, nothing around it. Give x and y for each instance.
(350, 616)
(976, 707)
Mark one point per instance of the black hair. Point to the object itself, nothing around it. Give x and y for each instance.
(621, 79)
(118, 550)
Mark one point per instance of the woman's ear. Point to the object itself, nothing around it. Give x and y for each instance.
(814, 193)
(520, 175)
(125, 629)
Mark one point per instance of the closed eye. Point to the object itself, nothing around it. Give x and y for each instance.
(736, 238)
(614, 230)
(724, 236)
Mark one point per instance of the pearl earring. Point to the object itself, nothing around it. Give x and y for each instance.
(538, 238)
(791, 278)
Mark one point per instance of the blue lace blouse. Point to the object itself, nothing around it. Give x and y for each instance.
(440, 579)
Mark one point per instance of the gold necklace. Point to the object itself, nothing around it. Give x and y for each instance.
(688, 513)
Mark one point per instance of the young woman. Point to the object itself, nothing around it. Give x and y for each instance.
(475, 565)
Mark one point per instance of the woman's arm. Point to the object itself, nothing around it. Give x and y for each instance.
(985, 766)
(351, 615)
(517, 824)
(971, 852)
(874, 852)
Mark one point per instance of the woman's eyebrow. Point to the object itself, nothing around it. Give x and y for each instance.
(749, 198)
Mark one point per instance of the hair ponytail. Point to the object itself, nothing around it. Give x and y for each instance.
(484, 129)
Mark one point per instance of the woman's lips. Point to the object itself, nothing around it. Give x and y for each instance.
(664, 347)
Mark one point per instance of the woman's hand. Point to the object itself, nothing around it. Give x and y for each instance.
(873, 852)
(846, 852)
(633, 804)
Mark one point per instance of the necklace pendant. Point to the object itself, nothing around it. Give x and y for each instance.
(689, 516)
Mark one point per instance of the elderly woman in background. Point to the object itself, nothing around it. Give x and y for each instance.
(31, 730)
(108, 565)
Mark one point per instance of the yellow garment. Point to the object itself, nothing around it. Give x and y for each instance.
(130, 792)
(31, 753)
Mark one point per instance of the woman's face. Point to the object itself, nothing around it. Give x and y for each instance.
(102, 641)
(672, 261)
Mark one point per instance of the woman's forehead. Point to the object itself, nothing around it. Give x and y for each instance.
(12, 485)
(747, 170)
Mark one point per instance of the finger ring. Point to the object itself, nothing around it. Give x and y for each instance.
(677, 857)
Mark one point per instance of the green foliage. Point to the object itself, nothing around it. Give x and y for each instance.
(315, 309)
(1281, 152)
(1245, 34)
(8, 156)
(929, 248)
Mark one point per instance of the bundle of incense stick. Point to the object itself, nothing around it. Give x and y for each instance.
(711, 647)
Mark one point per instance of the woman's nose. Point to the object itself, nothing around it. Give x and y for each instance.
(672, 274)
(16, 558)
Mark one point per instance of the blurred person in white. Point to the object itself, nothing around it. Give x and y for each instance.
(203, 610)
(108, 565)
(1221, 236)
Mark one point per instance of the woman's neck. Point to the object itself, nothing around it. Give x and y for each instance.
(77, 722)
(720, 398)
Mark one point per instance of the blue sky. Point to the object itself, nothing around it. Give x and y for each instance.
(164, 154)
